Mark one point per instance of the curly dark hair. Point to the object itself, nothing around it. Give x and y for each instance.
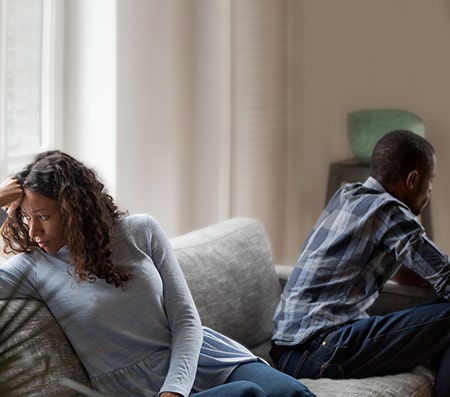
(87, 212)
(398, 153)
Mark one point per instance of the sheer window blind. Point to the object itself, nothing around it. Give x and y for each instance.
(27, 81)
(259, 147)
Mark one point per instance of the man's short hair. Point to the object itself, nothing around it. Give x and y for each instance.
(398, 153)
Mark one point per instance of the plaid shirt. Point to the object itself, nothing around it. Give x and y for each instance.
(357, 244)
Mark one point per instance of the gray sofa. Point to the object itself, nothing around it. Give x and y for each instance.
(236, 287)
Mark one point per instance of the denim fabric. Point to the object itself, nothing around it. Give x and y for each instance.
(258, 380)
(379, 345)
(233, 389)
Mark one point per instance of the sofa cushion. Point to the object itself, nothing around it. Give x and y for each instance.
(417, 383)
(42, 357)
(229, 269)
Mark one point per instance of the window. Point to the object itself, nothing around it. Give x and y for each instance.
(27, 81)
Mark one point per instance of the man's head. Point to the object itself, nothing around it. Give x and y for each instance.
(405, 164)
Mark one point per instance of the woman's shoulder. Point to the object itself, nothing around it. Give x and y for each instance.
(19, 267)
(22, 259)
(137, 221)
(136, 225)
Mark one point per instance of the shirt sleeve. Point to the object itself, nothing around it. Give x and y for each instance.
(413, 249)
(429, 262)
(17, 275)
(18, 278)
(187, 336)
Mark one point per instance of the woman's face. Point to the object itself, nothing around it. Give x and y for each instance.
(41, 214)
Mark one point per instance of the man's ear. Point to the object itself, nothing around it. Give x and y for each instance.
(412, 179)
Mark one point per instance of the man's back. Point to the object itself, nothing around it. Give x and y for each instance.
(353, 249)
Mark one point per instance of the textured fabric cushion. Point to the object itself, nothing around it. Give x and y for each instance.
(42, 355)
(417, 383)
(230, 272)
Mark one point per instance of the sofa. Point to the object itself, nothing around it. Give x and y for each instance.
(236, 286)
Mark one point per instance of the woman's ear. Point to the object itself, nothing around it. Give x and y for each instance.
(412, 179)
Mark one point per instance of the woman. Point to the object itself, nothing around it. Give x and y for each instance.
(114, 278)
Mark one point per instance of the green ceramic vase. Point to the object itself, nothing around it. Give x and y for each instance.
(366, 127)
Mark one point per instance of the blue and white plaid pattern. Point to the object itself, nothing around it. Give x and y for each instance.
(357, 244)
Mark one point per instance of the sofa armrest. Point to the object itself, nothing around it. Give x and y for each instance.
(37, 357)
(395, 297)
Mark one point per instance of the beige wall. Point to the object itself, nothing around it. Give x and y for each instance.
(352, 54)
(149, 98)
(198, 126)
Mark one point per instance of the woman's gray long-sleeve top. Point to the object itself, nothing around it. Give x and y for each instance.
(138, 340)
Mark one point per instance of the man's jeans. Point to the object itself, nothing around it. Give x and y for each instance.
(379, 345)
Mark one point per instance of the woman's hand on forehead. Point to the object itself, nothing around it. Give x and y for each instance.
(11, 195)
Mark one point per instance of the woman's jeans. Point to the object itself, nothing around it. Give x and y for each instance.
(379, 345)
(257, 380)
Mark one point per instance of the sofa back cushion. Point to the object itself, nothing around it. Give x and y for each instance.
(229, 269)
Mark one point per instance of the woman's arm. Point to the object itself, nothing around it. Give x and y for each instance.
(18, 277)
(184, 320)
(11, 194)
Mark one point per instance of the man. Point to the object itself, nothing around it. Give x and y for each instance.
(365, 233)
